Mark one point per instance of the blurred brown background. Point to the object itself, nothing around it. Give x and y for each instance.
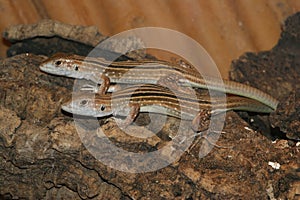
(225, 28)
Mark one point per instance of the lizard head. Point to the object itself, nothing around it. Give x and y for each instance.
(64, 65)
(88, 106)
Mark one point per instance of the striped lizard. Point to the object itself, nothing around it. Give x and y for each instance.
(103, 72)
(158, 99)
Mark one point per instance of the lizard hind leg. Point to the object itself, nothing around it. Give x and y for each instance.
(104, 85)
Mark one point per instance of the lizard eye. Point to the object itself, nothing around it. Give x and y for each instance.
(57, 63)
(83, 102)
(76, 68)
(102, 108)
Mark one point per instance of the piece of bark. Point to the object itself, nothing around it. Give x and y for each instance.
(49, 28)
(277, 72)
(32, 147)
(48, 37)
(42, 155)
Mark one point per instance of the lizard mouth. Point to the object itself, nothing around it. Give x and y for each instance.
(68, 108)
(83, 112)
(50, 70)
(47, 68)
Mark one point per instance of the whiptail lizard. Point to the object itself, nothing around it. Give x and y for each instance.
(100, 71)
(158, 99)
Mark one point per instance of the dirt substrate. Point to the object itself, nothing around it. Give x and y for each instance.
(43, 157)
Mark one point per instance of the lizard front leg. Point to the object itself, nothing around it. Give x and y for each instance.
(104, 85)
(134, 111)
(104, 82)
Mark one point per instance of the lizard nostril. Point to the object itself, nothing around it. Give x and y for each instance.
(83, 102)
